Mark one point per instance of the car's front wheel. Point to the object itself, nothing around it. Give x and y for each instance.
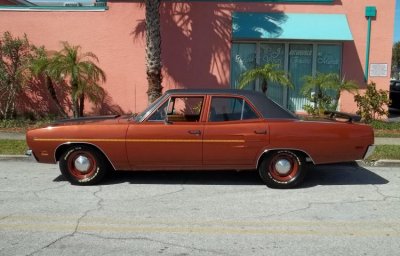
(82, 165)
(282, 169)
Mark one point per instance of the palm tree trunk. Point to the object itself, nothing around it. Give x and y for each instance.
(75, 108)
(264, 86)
(75, 102)
(153, 50)
(53, 94)
(81, 104)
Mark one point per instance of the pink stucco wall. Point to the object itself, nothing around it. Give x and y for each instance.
(196, 40)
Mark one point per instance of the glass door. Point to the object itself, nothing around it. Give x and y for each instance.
(274, 54)
(329, 61)
(300, 65)
(243, 58)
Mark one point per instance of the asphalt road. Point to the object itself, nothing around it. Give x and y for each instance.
(340, 210)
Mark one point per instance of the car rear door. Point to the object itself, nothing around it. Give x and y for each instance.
(234, 135)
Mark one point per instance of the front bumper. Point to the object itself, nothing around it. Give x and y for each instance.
(29, 152)
(369, 152)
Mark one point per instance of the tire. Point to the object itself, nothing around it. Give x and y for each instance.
(282, 169)
(82, 165)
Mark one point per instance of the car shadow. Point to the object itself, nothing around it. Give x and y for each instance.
(187, 177)
(341, 174)
(325, 175)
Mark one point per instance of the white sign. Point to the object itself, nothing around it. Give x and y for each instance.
(378, 69)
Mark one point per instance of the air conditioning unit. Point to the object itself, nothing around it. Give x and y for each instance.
(72, 4)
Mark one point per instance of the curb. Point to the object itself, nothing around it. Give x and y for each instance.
(379, 163)
(16, 158)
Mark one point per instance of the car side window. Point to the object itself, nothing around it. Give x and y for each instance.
(160, 113)
(230, 109)
(179, 109)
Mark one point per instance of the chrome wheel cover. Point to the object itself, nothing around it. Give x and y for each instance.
(82, 163)
(283, 166)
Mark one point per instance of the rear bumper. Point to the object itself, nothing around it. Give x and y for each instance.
(369, 152)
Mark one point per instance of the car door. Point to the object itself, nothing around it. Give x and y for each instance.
(170, 138)
(235, 135)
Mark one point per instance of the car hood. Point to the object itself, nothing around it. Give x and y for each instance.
(92, 119)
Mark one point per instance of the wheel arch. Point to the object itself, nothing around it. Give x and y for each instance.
(65, 146)
(268, 152)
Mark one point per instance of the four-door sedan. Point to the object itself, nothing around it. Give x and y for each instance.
(202, 130)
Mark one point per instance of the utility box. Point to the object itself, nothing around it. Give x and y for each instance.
(370, 11)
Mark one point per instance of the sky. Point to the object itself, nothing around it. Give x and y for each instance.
(397, 22)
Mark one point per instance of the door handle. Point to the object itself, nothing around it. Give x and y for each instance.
(260, 131)
(194, 132)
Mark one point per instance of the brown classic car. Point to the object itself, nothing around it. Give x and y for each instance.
(202, 130)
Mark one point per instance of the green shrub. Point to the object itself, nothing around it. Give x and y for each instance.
(323, 91)
(373, 104)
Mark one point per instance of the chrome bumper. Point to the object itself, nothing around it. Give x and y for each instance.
(369, 152)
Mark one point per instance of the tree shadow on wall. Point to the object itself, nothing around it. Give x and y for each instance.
(196, 41)
(35, 102)
(105, 106)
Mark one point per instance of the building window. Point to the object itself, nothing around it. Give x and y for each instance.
(296, 58)
(51, 5)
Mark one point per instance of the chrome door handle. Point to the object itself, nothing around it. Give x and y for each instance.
(260, 131)
(194, 132)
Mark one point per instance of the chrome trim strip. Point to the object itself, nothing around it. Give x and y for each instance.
(289, 149)
(70, 140)
(75, 142)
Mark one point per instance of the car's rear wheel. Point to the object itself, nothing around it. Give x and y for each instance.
(83, 165)
(282, 169)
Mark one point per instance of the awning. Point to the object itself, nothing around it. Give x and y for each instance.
(290, 26)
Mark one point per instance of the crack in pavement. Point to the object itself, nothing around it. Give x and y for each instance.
(182, 188)
(5, 217)
(36, 192)
(378, 190)
(154, 241)
(98, 207)
(311, 204)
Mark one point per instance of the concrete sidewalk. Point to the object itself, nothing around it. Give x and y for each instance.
(12, 136)
(387, 141)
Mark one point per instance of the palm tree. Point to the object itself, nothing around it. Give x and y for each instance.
(318, 89)
(153, 49)
(267, 73)
(82, 74)
(39, 67)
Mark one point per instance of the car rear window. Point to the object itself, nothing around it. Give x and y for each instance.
(230, 109)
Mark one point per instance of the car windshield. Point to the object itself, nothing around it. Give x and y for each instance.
(148, 109)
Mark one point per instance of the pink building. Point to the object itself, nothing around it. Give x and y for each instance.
(208, 44)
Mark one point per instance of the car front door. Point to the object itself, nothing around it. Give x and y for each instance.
(234, 135)
(170, 138)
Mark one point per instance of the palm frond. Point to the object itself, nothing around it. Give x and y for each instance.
(268, 72)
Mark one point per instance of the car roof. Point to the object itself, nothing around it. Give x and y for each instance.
(267, 107)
